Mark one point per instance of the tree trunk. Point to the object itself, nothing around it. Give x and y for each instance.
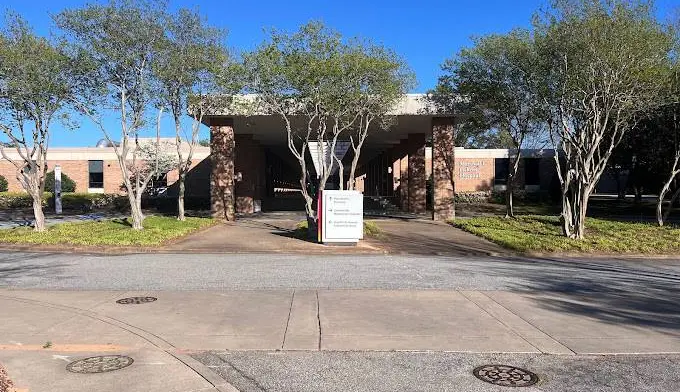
(180, 197)
(509, 211)
(580, 214)
(38, 213)
(136, 212)
(575, 208)
(566, 217)
(670, 205)
(509, 208)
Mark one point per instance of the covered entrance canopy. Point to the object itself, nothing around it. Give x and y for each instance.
(253, 168)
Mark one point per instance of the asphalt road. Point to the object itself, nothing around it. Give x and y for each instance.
(429, 371)
(271, 271)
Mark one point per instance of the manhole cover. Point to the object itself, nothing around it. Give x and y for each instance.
(101, 364)
(507, 376)
(135, 300)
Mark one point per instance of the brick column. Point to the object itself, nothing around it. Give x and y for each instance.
(401, 164)
(222, 175)
(443, 168)
(248, 163)
(417, 181)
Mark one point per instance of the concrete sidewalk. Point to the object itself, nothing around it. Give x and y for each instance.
(42, 330)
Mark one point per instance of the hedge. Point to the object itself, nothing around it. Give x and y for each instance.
(11, 200)
(70, 201)
(67, 184)
(4, 186)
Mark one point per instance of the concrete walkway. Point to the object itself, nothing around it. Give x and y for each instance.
(273, 233)
(42, 330)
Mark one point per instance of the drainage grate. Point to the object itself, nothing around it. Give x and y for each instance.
(135, 300)
(506, 376)
(100, 364)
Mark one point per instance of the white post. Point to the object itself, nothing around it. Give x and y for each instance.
(57, 189)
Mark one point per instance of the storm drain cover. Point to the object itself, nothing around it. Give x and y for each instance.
(100, 364)
(506, 376)
(135, 300)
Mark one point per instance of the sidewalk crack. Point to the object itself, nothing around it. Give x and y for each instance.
(318, 316)
(290, 312)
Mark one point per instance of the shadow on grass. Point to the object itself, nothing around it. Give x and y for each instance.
(122, 221)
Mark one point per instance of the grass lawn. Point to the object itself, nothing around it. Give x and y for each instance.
(543, 234)
(116, 232)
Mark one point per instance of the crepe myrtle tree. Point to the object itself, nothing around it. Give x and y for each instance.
(37, 83)
(671, 113)
(119, 41)
(497, 78)
(322, 87)
(188, 67)
(382, 79)
(605, 65)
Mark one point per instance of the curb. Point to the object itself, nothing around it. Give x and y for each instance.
(220, 384)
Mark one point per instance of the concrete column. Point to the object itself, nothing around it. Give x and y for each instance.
(417, 178)
(443, 168)
(222, 145)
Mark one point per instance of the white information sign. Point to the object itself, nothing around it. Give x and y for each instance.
(342, 216)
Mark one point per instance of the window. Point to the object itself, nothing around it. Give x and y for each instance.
(96, 178)
(531, 171)
(502, 170)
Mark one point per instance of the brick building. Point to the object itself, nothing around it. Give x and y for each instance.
(93, 169)
(248, 166)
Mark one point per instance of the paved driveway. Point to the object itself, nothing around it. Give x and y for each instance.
(273, 232)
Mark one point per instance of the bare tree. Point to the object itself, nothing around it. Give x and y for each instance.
(36, 83)
(120, 41)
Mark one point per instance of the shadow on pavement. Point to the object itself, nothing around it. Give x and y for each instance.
(22, 265)
(613, 293)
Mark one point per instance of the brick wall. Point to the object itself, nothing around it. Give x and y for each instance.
(474, 174)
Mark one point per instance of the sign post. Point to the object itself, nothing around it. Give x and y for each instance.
(342, 217)
(57, 189)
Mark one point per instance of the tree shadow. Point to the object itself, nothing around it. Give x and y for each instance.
(642, 296)
(17, 266)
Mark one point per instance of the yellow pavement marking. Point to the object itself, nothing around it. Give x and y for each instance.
(63, 347)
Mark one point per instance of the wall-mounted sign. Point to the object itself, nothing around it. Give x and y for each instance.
(470, 169)
(342, 217)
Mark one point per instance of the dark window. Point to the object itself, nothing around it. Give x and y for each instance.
(502, 170)
(531, 171)
(96, 177)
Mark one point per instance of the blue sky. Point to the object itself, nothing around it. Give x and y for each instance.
(424, 32)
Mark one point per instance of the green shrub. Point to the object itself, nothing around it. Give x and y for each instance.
(4, 186)
(473, 197)
(12, 200)
(93, 201)
(67, 184)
